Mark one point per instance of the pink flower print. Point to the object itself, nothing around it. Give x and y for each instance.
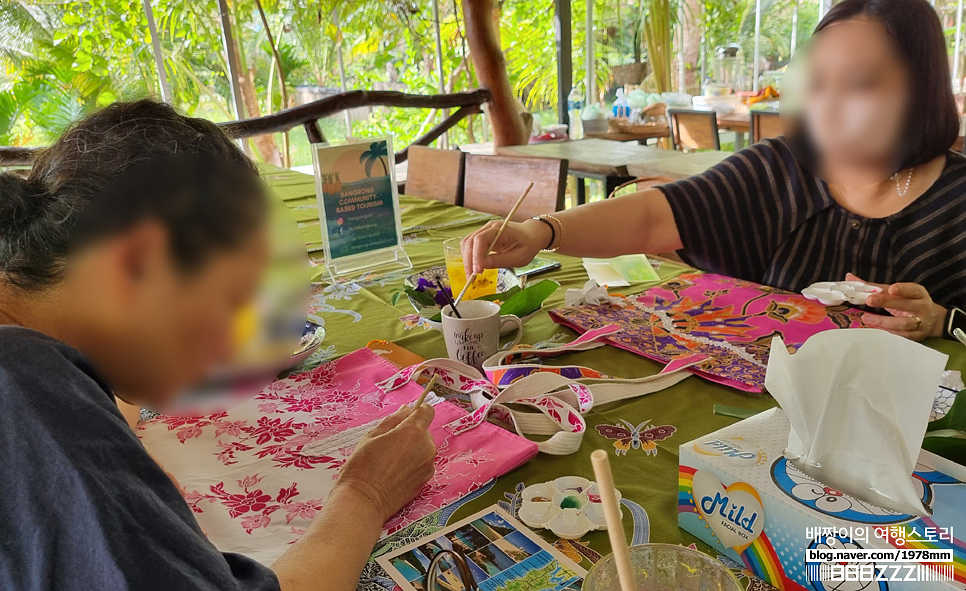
(233, 428)
(577, 424)
(188, 432)
(312, 403)
(313, 431)
(255, 521)
(341, 396)
(249, 481)
(287, 494)
(173, 422)
(227, 454)
(301, 510)
(268, 408)
(269, 429)
(193, 496)
(250, 502)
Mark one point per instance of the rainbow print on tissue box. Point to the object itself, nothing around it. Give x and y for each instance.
(737, 493)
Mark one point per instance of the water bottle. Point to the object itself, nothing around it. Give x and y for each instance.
(575, 107)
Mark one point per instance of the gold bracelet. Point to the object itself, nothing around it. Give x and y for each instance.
(558, 234)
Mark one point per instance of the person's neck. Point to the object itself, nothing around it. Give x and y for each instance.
(37, 310)
(870, 190)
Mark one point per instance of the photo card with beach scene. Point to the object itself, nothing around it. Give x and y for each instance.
(501, 553)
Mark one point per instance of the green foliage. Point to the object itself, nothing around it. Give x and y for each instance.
(947, 436)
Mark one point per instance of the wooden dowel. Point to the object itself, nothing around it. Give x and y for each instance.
(612, 514)
(493, 242)
(422, 397)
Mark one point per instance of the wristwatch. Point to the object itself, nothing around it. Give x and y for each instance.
(956, 319)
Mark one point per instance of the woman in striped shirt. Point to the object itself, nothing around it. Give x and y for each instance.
(869, 189)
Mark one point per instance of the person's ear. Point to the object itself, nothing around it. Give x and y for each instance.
(138, 254)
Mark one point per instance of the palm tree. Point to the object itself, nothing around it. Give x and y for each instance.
(377, 152)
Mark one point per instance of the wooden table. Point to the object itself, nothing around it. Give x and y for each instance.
(677, 165)
(605, 160)
(641, 134)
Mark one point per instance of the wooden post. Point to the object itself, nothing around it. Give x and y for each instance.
(510, 125)
(565, 59)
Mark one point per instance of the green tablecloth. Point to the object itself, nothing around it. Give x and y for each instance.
(356, 313)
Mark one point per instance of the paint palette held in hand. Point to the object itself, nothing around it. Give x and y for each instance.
(836, 293)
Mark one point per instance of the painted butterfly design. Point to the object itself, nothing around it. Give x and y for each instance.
(644, 436)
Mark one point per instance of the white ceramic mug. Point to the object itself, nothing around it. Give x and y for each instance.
(476, 336)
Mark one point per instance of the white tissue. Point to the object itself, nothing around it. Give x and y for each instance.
(590, 293)
(858, 401)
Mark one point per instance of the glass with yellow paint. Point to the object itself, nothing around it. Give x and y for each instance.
(485, 282)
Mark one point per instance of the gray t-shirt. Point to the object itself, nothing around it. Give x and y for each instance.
(82, 504)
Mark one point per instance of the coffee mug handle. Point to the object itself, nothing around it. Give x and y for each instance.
(519, 326)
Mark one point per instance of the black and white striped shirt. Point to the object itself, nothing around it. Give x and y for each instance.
(760, 216)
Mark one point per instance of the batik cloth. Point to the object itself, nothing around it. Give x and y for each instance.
(256, 474)
(721, 325)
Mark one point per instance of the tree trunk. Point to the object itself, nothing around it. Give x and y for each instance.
(265, 144)
(509, 120)
(690, 19)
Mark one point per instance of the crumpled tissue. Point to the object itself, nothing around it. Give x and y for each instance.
(590, 293)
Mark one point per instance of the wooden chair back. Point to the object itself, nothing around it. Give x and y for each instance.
(494, 183)
(435, 174)
(765, 125)
(693, 130)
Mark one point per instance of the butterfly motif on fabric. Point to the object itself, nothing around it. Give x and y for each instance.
(644, 436)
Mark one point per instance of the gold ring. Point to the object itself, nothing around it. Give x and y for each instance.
(918, 322)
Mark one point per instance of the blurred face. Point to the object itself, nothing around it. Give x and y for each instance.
(855, 95)
(149, 328)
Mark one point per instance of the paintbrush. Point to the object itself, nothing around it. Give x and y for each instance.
(422, 397)
(493, 242)
(448, 298)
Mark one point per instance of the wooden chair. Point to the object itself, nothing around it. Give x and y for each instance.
(435, 174)
(765, 125)
(693, 130)
(494, 183)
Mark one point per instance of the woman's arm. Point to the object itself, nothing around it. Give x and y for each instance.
(636, 223)
(385, 472)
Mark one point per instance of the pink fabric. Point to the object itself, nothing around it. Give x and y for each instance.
(258, 473)
(725, 324)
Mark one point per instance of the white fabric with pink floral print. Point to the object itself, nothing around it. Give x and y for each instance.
(257, 474)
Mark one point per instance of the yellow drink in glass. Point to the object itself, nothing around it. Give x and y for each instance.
(485, 282)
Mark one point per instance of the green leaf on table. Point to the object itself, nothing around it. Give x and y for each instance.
(423, 298)
(516, 301)
(946, 437)
(530, 299)
(503, 296)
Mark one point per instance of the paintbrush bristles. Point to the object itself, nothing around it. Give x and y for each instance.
(422, 397)
(506, 220)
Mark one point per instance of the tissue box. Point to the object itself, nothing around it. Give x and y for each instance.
(738, 493)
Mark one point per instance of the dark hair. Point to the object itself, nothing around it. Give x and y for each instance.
(933, 121)
(120, 165)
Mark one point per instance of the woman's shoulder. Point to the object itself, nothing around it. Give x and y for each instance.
(40, 365)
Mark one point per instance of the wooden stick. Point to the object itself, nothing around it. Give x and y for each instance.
(422, 397)
(493, 242)
(612, 514)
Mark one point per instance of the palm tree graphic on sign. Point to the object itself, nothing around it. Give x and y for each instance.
(377, 152)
